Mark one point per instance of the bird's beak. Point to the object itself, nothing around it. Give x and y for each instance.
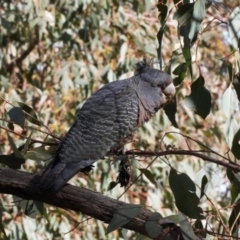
(170, 90)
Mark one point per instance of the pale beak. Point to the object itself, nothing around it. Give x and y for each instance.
(169, 90)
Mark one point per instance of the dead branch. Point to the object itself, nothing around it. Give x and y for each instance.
(81, 200)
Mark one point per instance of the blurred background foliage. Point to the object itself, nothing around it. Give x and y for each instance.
(55, 54)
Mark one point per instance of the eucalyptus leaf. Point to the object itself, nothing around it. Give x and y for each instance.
(17, 116)
(186, 228)
(200, 99)
(152, 226)
(184, 191)
(122, 216)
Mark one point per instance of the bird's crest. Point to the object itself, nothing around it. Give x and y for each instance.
(141, 67)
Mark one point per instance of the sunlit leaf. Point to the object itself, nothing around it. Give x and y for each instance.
(39, 153)
(199, 12)
(234, 28)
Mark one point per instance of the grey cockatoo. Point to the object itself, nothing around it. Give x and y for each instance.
(106, 119)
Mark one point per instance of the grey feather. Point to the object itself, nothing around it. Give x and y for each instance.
(107, 118)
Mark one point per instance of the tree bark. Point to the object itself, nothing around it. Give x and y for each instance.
(82, 200)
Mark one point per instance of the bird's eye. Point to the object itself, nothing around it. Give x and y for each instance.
(159, 85)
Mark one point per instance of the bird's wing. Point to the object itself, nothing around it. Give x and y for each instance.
(107, 117)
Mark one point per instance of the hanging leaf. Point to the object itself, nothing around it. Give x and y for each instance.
(184, 14)
(33, 117)
(188, 58)
(236, 84)
(39, 154)
(14, 148)
(17, 116)
(234, 28)
(181, 71)
(199, 12)
(186, 227)
(152, 226)
(112, 185)
(235, 145)
(200, 99)
(184, 191)
(1, 225)
(231, 129)
(171, 109)
(148, 175)
(234, 219)
(11, 161)
(31, 208)
(122, 216)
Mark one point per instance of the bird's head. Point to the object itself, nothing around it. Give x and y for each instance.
(155, 86)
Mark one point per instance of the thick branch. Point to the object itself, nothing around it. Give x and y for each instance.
(82, 200)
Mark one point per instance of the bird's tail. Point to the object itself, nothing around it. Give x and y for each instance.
(57, 175)
(51, 179)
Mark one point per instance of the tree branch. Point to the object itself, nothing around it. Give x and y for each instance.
(81, 200)
(197, 154)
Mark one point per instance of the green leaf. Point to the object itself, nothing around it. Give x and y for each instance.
(234, 220)
(200, 99)
(148, 175)
(235, 145)
(184, 191)
(142, 237)
(11, 161)
(236, 84)
(234, 28)
(153, 228)
(13, 147)
(188, 58)
(1, 226)
(39, 153)
(173, 218)
(163, 10)
(236, 181)
(171, 109)
(184, 14)
(33, 117)
(26, 145)
(112, 185)
(229, 104)
(186, 227)
(199, 12)
(181, 71)
(17, 116)
(203, 185)
(31, 208)
(122, 216)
